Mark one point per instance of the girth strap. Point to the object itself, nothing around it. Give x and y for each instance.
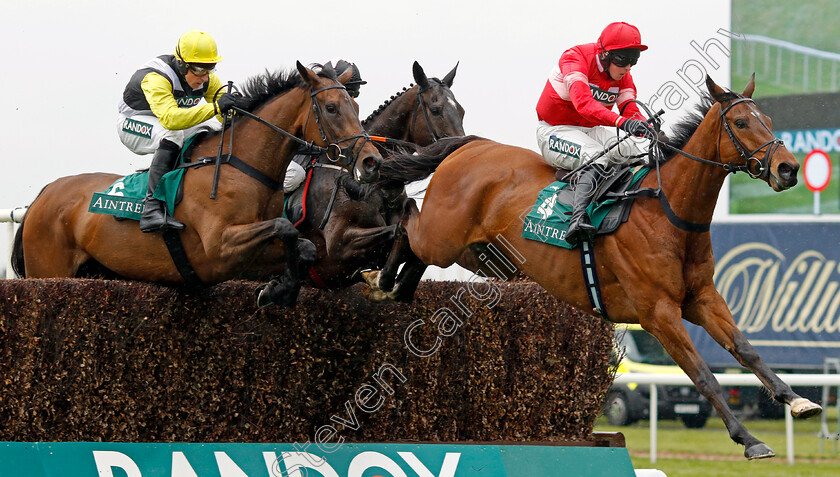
(176, 249)
(590, 278)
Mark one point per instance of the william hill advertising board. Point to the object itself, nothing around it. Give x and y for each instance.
(782, 284)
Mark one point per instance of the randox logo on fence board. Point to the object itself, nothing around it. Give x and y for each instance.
(108, 459)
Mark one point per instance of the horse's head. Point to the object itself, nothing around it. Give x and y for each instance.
(336, 124)
(751, 140)
(437, 113)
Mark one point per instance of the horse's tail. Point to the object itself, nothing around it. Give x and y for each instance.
(407, 168)
(17, 252)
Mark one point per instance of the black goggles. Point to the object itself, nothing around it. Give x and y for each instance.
(623, 60)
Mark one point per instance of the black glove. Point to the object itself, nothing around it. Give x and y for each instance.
(637, 127)
(229, 100)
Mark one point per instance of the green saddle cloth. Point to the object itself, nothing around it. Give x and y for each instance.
(124, 198)
(548, 221)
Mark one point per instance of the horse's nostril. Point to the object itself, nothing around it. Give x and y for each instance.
(370, 164)
(787, 171)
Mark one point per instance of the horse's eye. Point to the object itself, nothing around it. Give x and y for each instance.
(331, 108)
(740, 124)
(436, 110)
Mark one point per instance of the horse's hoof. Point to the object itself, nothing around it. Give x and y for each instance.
(371, 277)
(759, 451)
(263, 297)
(376, 295)
(802, 408)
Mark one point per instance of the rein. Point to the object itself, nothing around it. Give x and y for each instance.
(749, 157)
(763, 169)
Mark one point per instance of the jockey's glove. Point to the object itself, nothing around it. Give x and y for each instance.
(637, 127)
(229, 100)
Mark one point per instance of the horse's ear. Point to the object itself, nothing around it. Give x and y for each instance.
(345, 77)
(750, 89)
(420, 76)
(308, 75)
(716, 91)
(447, 80)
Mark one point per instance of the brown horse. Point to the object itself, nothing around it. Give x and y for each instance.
(657, 269)
(240, 233)
(352, 225)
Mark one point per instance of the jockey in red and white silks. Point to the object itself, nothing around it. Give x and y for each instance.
(575, 110)
(576, 117)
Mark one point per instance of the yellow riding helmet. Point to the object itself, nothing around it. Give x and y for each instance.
(197, 47)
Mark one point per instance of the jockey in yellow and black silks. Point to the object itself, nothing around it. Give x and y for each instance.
(161, 107)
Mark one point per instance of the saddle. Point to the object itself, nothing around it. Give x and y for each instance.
(612, 188)
(548, 220)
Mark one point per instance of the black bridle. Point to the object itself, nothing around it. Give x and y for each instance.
(419, 104)
(344, 156)
(762, 171)
(749, 157)
(754, 167)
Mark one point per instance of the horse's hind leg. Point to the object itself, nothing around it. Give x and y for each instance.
(47, 250)
(665, 323)
(710, 311)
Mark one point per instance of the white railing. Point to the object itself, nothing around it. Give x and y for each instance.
(724, 380)
(10, 217)
(788, 63)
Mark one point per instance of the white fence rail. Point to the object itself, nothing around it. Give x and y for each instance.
(824, 380)
(787, 63)
(10, 217)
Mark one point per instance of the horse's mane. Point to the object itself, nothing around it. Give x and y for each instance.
(682, 131)
(385, 104)
(261, 88)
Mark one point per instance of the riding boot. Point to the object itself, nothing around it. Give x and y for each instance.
(154, 216)
(580, 229)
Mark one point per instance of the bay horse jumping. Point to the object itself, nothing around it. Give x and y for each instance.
(352, 225)
(656, 269)
(240, 233)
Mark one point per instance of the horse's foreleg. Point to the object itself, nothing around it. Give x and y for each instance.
(710, 311)
(396, 257)
(664, 322)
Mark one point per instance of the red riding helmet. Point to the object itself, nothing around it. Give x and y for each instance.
(619, 36)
